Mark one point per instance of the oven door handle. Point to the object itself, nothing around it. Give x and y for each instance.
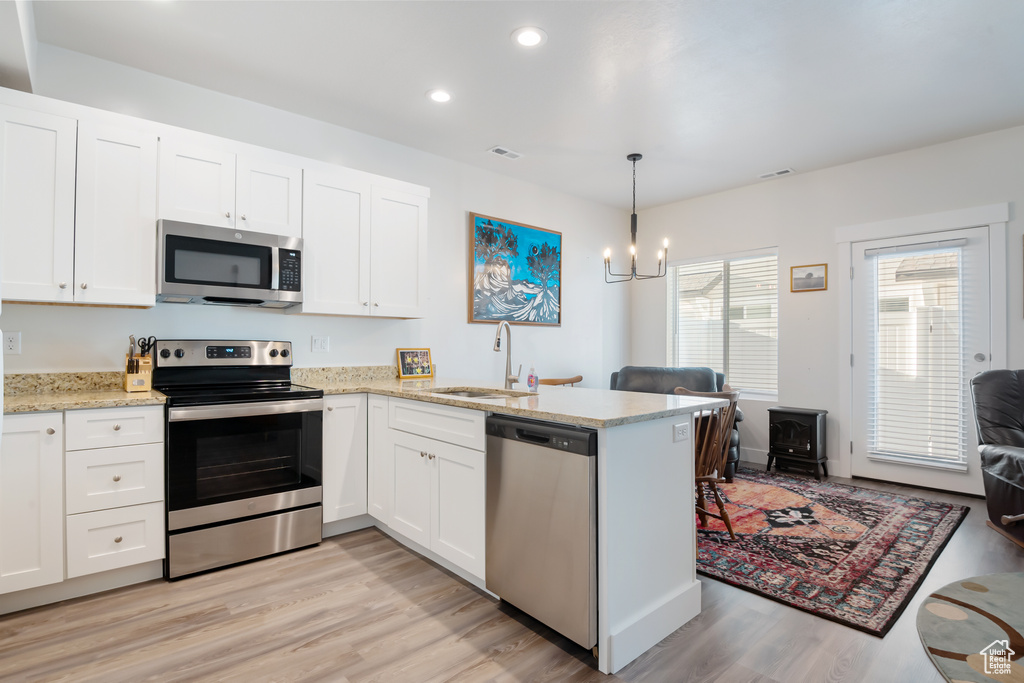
(229, 410)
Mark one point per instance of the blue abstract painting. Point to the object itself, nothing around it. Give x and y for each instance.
(516, 272)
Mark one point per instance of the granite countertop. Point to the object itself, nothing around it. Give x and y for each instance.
(573, 405)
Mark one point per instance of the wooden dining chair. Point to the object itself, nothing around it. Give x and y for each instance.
(565, 380)
(712, 435)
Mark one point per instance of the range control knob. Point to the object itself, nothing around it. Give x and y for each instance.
(285, 353)
(179, 353)
(273, 353)
(165, 353)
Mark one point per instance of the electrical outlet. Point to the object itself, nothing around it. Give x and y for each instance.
(321, 344)
(681, 431)
(12, 343)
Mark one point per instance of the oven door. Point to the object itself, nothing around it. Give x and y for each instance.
(229, 452)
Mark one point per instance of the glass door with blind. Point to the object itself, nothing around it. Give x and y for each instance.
(921, 325)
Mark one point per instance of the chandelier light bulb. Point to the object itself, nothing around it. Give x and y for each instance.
(632, 250)
(665, 244)
(607, 254)
(661, 255)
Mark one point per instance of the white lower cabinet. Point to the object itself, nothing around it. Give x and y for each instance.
(435, 493)
(119, 537)
(31, 501)
(114, 488)
(344, 465)
(379, 462)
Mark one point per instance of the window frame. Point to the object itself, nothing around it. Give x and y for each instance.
(672, 313)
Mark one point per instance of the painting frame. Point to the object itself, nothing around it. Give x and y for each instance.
(411, 363)
(515, 272)
(812, 278)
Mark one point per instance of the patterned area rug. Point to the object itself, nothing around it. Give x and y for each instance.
(849, 554)
(972, 629)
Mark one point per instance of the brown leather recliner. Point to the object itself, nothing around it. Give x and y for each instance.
(999, 411)
(658, 380)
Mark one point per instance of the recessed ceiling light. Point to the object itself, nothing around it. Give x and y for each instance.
(529, 36)
(439, 95)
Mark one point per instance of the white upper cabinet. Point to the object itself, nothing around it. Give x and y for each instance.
(197, 184)
(37, 205)
(365, 246)
(115, 216)
(336, 242)
(95, 244)
(398, 250)
(214, 186)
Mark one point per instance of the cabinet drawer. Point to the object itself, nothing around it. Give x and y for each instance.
(109, 539)
(101, 478)
(460, 426)
(102, 427)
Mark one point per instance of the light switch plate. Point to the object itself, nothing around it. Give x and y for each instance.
(321, 344)
(681, 431)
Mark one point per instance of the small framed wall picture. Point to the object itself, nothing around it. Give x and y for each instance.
(808, 278)
(414, 363)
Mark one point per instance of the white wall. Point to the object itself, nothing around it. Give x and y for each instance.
(593, 339)
(799, 215)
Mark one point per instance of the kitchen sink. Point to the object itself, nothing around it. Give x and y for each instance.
(474, 392)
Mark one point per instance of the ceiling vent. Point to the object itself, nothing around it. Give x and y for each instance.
(504, 152)
(776, 174)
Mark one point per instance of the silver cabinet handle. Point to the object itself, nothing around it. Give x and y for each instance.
(423, 454)
(243, 216)
(85, 286)
(63, 285)
(118, 539)
(50, 431)
(117, 428)
(430, 456)
(376, 305)
(117, 477)
(330, 408)
(227, 214)
(366, 303)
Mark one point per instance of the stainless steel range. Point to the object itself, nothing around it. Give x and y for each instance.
(244, 452)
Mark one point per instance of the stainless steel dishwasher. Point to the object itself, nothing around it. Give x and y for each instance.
(542, 522)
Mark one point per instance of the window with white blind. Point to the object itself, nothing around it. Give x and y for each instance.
(724, 314)
(915, 356)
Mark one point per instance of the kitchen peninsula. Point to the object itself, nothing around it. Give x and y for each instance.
(647, 585)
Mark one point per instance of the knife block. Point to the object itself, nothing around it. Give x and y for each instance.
(141, 380)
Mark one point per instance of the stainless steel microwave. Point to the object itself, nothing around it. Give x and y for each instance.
(203, 264)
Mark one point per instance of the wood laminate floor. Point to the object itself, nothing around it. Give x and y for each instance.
(360, 607)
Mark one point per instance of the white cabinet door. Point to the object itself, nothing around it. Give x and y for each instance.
(458, 485)
(115, 216)
(109, 539)
(336, 241)
(380, 477)
(398, 267)
(411, 502)
(197, 184)
(344, 471)
(268, 197)
(31, 501)
(37, 205)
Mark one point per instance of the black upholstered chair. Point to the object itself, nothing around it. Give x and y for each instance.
(999, 411)
(658, 380)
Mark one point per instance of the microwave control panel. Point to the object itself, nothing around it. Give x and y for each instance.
(290, 268)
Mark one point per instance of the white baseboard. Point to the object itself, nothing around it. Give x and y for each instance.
(752, 455)
(344, 526)
(651, 627)
(79, 586)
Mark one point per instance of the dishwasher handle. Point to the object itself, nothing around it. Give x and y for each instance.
(532, 437)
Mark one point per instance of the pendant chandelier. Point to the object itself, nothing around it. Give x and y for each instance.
(609, 276)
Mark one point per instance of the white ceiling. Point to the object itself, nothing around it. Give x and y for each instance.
(713, 93)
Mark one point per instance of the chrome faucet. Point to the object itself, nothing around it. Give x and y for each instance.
(510, 379)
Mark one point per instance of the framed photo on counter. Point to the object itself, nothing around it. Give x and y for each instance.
(414, 364)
